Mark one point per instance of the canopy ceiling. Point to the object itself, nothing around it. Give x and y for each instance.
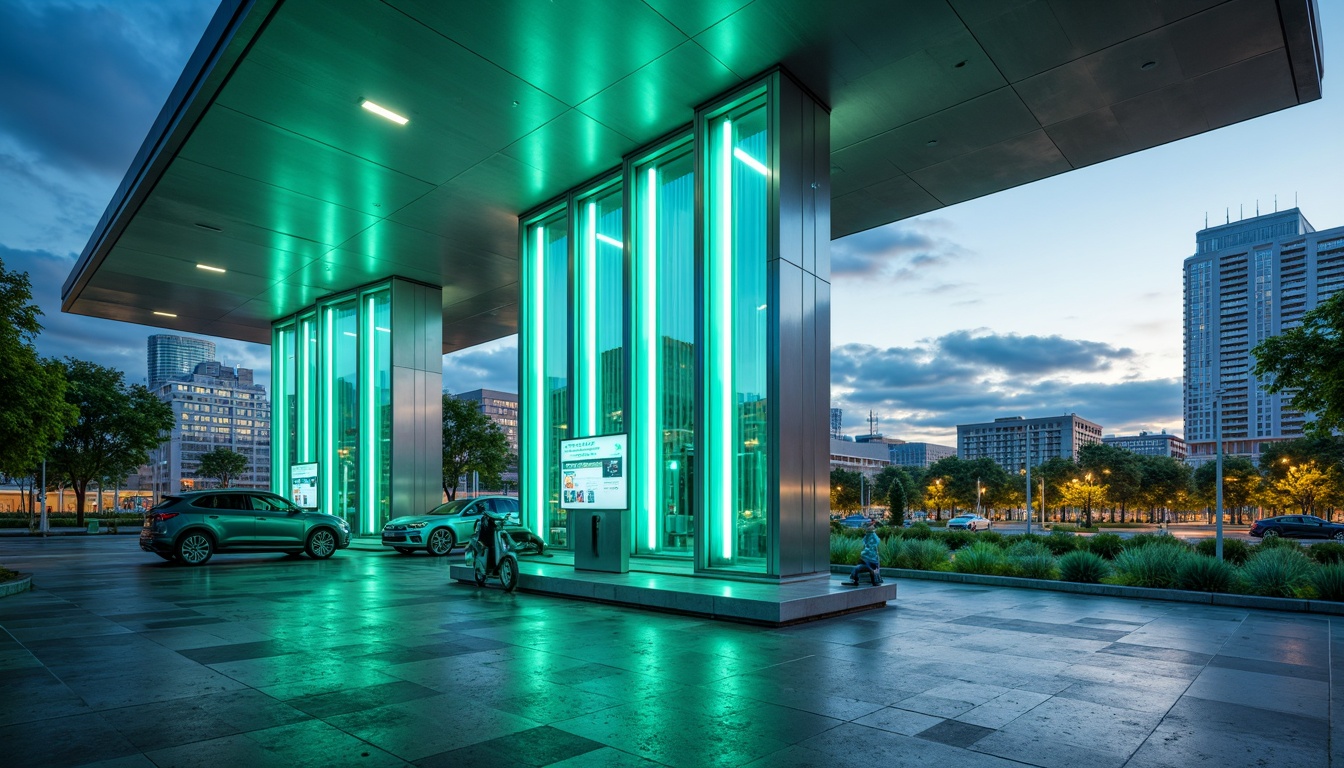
(263, 163)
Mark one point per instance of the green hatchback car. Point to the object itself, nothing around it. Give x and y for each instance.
(191, 527)
(451, 525)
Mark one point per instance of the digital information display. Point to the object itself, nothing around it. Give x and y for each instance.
(592, 473)
(303, 485)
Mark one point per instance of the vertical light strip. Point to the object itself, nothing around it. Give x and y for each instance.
(588, 345)
(369, 433)
(723, 339)
(305, 385)
(279, 416)
(328, 452)
(541, 429)
(648, 335)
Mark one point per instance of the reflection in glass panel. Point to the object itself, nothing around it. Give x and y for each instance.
(736, 314)
(376, 412)
(600, 316)
(340, 418)
(664, 364)
(283, 409)
(305, 418)
(546, 371)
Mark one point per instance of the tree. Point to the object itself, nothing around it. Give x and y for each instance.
(1164, 481)
(471, 443)
(33, 409)
(1055, 471)
(117, 427)
(1308, 361)
(897, 500)
(1304, 486)
(1085, 492)
(845, 490)
(222, 465)
(1121, 470)
(1241, 483)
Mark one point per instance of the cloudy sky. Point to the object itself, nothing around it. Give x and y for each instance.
(1059, 296)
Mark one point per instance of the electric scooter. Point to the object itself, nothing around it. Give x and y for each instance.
(491, 551)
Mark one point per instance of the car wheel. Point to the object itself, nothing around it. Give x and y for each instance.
(1269, 533)
(321, 544)
(441, 542)
(508, 572)
(195, 548)
(1339, 536)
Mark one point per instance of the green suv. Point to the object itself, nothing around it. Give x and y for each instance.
(191, 527)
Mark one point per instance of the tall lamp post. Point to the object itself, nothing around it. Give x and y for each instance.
(1218, 471)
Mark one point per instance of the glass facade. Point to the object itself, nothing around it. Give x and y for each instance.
(545, 370)
(664, 364)
(333, 370)
(599, 359)
(737, 213)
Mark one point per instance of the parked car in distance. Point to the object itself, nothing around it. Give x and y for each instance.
(191, 527)
(449, 525)
(1297, 527)
(855, 520)
(970, 523)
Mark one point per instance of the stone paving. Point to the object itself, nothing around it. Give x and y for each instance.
(374, 659)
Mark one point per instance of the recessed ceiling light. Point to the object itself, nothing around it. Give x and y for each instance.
(931, 143)
(209, 268)
(959, 64)
(1147, 65)
(165, 314)
(383, 112)
(209, 227)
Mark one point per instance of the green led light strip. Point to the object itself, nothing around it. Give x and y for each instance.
(328, 423)
(538, 400)
(370, 431)
(279, 413)
(722, 334)
(649, 351)
(588, 344)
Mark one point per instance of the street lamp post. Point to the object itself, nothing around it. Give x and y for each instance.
(1218, 471)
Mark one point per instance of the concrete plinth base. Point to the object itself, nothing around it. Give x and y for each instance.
(770, 604)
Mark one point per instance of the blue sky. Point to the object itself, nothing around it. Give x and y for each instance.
(1059, 296)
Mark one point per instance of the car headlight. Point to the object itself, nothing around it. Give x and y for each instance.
(344, 525)
(416, 525)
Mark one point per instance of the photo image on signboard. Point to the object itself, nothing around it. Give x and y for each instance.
(592, 473)
(303, 485)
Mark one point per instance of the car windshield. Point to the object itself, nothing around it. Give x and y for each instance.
(963, 517)
(451, 508)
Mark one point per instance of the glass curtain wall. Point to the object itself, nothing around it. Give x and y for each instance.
(340, 418)
(736, 194)
(664, 361)
(375, 341)
(282, 388)
(305, 419)
(599, 361)
(545, 368)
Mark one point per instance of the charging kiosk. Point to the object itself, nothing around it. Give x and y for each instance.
(594, 491)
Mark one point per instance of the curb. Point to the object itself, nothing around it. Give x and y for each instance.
(22, 584)
(1112, 590)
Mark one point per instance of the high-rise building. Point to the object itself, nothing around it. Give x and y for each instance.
(501, 407)
(919, 454)
(837, 419)
(1010, 440)
(171, 356)
(1249, 280)
(213, 406)
(1149, 444)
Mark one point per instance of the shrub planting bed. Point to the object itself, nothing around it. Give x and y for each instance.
(1275, 568)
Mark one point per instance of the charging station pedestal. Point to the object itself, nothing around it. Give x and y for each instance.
(599, 540)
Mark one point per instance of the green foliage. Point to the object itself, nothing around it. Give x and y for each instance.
(1155, 540)
(1108, 545)
(845, 485)
(993, 537)
(1240, 482)
(955, 539)
(1277, 572)
(837, 526)
(1035, 567)
(918, 531)
(888, 531)
(1205, 574)
(888, 551)
(472, 442)
(980, 557)
(1083, 567)
(1028, 548)
(1325, 553)
(1308, 361)
(117, 427)
(852, 533)
(1060, 542)
(222, 465)
(845, 550)
(33, 408)
(1274, 542)
(1071, 528)
(1235, 551)
(1328, 581)
(1150, 566)
(895, 485)
(922, 554)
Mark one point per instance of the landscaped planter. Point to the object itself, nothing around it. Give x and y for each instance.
(21, 584)
(1114, 590)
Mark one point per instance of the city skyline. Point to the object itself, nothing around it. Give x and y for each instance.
(1060, 296)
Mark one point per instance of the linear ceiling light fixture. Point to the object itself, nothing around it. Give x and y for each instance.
(165, 314)
(383, 112)
(209, 268)
(753, 163)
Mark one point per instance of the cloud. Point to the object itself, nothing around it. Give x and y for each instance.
(493, 365)
(902, 251)
(969, 377)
